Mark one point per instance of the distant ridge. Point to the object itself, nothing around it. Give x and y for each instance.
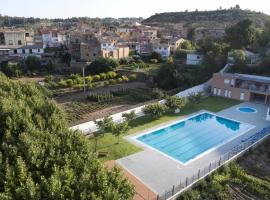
(216, 18)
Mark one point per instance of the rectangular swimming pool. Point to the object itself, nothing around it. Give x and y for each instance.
(188, 139)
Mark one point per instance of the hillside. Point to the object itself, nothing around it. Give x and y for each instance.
(206, 18)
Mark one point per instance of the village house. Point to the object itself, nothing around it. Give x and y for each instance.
(162, 49)
(15, 37)
(241, 87)
(194, 58)
(117, 52)
(28, 50)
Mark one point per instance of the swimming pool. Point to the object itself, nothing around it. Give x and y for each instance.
(188, 139)
(247, 110)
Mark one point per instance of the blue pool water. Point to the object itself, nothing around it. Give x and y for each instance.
(247, 110)
(187, 139)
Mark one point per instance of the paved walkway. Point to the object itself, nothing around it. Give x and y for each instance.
(142, 191)
(160, 173)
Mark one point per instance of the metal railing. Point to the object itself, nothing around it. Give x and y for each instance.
(237, 151)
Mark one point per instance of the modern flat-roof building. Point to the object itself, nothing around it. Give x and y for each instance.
(241, 87)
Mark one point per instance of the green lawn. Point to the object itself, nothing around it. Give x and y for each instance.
(116, 151)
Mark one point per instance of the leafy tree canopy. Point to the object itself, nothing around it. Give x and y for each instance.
(40, 158)
(101, 65)
(241, 35)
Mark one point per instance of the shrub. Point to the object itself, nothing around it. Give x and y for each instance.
(101, 65)
(119, 80)
(125, 78)
(69, 82)
(89, 79)
(103, 76)
(153, 61)
(195, 98)
(175, 102)
(62, 83)
(133, 77)
(96, 77)
(111, 75)
(112, 81)
(11, 69)
(155, 110)
(129, 116)
(157, 93)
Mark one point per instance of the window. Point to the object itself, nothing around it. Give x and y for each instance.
(227, 81)
(219, 92)
(38, 50)
(10, 42)
(232, 82)
(94, 54)
(19, 42)
(23, 51)
(30, 51)
(15, 51)
(198, 57)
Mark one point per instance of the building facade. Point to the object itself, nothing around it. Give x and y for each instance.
(241, 87)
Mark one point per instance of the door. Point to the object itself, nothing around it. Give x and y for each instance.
(219, 92)
(242, 96)
(226, 93)
(230, 94)
(215, 91)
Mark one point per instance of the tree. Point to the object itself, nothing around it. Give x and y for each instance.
(41, 158)
(238, 56)
(241, 35)
(191, 34)
(101, 65)
(105, 125)
(119, 129)
(187, 45)
(11, 69)
(129, 116)
(175, 102)
(195, 98)
(170, 60)
(155, 55)
(155, 110)
(166, 77)
(32, 63)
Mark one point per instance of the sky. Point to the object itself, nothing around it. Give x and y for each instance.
(118, 8)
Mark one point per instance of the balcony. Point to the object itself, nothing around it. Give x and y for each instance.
(253, 86)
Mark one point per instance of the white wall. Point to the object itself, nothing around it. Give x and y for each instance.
(194, 59)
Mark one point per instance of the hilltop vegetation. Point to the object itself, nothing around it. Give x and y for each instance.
(205, 18)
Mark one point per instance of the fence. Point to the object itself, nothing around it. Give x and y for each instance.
(237, 151)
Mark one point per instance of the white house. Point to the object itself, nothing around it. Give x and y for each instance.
(194, 59)
(25, 51)
(163, 50)
(50, 39)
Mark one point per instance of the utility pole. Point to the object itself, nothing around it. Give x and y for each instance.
(83, 81)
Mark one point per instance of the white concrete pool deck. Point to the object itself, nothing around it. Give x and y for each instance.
(160, 172)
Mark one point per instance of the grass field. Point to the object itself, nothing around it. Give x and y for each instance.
(116, 151)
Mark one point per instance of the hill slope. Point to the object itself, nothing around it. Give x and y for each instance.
(201, 18)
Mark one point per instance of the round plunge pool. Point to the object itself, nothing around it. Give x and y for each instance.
(247, 110)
